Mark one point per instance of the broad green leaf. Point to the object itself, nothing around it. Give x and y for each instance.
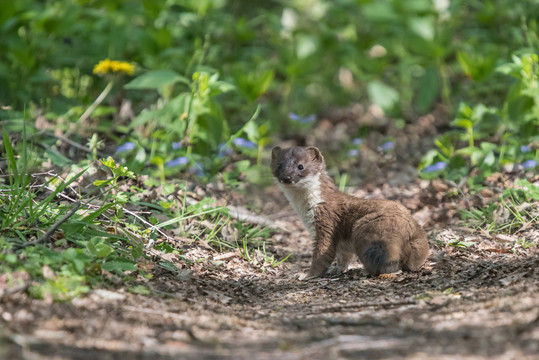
(119, 265)
(379, 11)
(486, 146)
(306, 45)
(140, 289)
(423, 27)
(156, 79)
(466, 63)
(382, 95)
(489, 159)
(530, 189)
(429, 86)
(103, 250)
(462, 123)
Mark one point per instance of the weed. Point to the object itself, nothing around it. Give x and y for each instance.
(515, 210)
(459, 244)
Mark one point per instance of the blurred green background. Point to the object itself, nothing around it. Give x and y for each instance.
(204, 68)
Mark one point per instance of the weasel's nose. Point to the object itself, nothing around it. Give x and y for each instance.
(286, 179)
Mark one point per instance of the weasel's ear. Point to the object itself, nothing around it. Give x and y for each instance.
(315, 154)
(275, 151)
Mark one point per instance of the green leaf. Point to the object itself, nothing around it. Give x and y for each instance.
(462, 123)
(137, 251)
(156, 79)
(462, 244)
(530, 189)
(57, 158)
(109, 162)
(423, 27)
(119, 265)
(489, 159)
(103, 250)
(382, 95)
(306, 45)
(100, 182)
(486, 146)
(378, 11)
(140, 289)
(429, 86)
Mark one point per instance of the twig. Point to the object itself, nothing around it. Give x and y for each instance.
(52, 229)
(148, 224)
(243, 214)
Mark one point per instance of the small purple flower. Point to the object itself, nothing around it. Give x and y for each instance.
(302, 119)
(177, 145)
(440, 165)
(529, 164)
(182, 160)
(525, 148)
(294, 116)
(357, 141)
(244, 143)
(197, 169)
(224, 151)
(128, 146)
(388, 145)
(353, 152)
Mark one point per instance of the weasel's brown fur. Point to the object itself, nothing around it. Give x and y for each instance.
(381, 233)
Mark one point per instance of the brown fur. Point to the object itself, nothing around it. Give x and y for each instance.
(381, 233)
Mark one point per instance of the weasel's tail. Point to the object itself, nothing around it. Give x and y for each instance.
(375, 259)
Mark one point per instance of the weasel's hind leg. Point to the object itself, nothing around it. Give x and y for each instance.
(377, 259)
(418, 250)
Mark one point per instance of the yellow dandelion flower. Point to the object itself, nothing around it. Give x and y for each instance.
(108, 66)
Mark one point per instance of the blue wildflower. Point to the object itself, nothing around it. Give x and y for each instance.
(224, 151)
(244, 143)
(197, 169)
(182, 160)
(302, 119)
(529, 164)
(177, 145)
(294, 116)
(525, 148)
(357, 141)
(440, 165)
(353, 152)
(388, 145)
(128, 146)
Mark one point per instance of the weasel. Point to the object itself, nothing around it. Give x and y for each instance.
(381, 233)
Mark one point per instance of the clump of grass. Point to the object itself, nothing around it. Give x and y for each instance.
(515, 210)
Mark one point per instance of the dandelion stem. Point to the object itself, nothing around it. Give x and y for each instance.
(96, 102)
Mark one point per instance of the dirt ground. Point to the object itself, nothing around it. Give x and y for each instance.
(477, 301)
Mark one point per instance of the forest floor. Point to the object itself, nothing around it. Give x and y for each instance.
(475, 298)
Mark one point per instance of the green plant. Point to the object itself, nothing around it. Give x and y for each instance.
(459, 244)
(82, 241)
(270, 258)
(514, 210)
(486, 138)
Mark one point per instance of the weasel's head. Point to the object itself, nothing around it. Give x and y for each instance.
(296, 166)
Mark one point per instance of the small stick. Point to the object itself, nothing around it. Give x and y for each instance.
(52, 229)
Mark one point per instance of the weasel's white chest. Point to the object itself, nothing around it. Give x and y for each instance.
(304, 198)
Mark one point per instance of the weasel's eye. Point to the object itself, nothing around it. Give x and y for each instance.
(300, 167)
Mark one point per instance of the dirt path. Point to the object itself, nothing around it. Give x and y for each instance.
(474, 302)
